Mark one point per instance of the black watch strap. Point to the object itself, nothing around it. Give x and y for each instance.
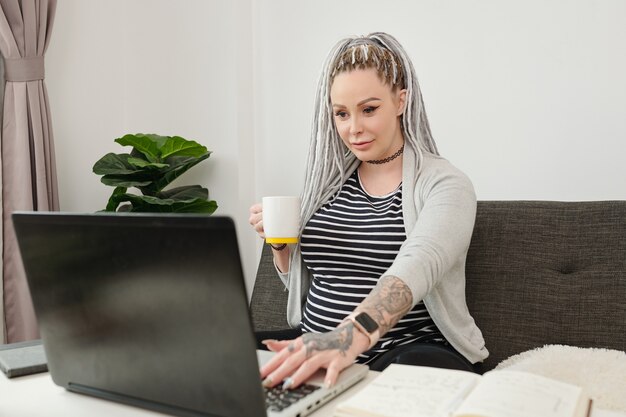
(278, 247)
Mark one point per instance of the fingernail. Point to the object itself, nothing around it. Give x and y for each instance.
(288, 383)
(327, 384)
(267, 382)
(266, 341)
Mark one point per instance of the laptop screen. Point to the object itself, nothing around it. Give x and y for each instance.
(145, 309)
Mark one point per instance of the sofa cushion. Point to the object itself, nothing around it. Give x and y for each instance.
(268, 305)
(548, 273)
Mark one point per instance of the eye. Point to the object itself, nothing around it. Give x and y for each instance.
(370, 109)
(341, 114)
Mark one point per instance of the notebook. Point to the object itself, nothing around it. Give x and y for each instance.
(149, 310)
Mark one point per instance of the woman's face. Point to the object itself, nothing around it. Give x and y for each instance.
(367, 114)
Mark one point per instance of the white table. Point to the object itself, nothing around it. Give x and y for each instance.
(38, 396)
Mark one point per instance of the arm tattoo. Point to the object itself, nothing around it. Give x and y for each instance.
(340, 339)
(388, 302)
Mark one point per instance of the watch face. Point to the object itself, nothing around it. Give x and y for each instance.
(367, 322)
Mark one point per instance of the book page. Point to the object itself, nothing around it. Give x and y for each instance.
(411, 391)
(520, 394)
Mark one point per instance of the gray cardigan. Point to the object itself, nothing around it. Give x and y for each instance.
(439, 209)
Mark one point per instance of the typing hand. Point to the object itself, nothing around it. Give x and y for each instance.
(300, 358)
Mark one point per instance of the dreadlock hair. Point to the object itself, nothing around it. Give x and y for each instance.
(329, 159)
(364, 55)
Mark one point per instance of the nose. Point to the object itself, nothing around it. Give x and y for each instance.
(355, 126)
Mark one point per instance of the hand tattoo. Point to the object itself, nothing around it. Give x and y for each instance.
(340, 339)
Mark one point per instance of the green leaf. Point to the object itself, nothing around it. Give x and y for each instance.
(178, 166)
(115, 200)
(152, 200)
(124, 181)
(114, 164)
(136, 154)
(198, 206)
(133, 199)
(141, 163)
(161, 201)
(146, 144)
(142, 203)
(186, 192)
(177, 146)
(158, 139)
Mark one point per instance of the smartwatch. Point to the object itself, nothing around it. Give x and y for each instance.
(366, 325)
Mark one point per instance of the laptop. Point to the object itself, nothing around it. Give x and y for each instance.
(151, 310)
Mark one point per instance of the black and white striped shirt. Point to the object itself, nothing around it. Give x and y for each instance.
(347, 245)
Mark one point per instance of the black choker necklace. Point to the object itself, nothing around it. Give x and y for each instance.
(388, 159)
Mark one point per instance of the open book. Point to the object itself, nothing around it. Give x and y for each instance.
(416, 391)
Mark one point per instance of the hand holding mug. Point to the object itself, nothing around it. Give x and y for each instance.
(256, 219)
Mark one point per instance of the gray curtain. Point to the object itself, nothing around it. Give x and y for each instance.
(28, 165)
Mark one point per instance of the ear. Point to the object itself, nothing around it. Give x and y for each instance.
(401, 95)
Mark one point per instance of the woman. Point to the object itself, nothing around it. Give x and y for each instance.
(386, 225)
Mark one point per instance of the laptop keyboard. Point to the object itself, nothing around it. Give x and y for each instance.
(277, 399)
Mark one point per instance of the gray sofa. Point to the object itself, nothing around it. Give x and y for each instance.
(538, 272)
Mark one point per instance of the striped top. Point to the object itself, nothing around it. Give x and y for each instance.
(347, 245)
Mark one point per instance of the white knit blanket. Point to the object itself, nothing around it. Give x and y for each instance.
(601, 372)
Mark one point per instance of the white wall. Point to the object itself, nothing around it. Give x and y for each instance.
(155, 66)
(528, 98)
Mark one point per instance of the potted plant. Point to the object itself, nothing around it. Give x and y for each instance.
(154, 162)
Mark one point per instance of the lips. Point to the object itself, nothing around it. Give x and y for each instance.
(361, 145)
